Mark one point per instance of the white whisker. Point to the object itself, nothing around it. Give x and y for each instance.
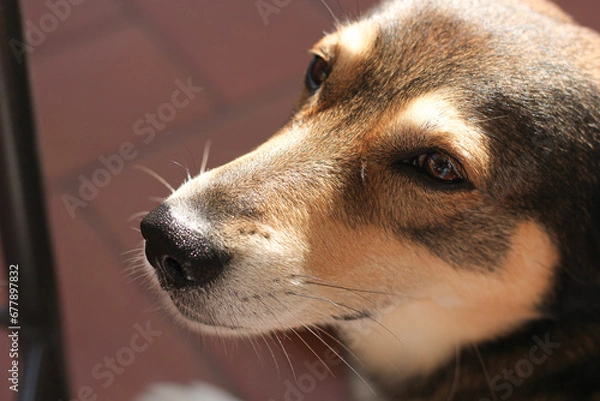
(287, 356)
(340, 357)
(188, 176)
(137, 216)
(311, 348)
(155, 175)
(485, 372)
(254, 345)
(205, 155)
(331, 13)
(272, 354)
(134, 250)
(340, 343)
(456, 380)
(340, 305)
(331, 284)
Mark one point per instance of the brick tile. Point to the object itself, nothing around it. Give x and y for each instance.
(101, 309)
(50, 23)
(229, 43)
(71, 17)
(88, 99)
(584, 11)
(5, 364)
(344, 10)
(129, 192)
(270, 374)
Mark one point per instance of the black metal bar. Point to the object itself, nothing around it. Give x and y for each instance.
(4, 318)
(33, 374)
(25, 237)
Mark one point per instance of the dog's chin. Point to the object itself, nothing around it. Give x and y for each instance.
(202, 317)
(195, 311)
(202, 323)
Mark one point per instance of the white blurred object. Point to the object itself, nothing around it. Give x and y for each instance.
(178, 392)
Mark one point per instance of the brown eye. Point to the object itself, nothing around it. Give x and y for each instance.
(317, 73)
(440, 167)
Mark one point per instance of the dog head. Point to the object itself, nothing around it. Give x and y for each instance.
(438, 173)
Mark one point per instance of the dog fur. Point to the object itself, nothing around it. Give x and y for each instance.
(434, 197)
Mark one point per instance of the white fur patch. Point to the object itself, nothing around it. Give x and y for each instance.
(357, 38)
(437, 114)
(177, 392)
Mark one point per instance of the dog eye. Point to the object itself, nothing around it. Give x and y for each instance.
(439, 166)
(317, 73)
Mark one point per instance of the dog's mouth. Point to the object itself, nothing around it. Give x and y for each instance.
(222, 306)
(202, 321)
(354, 316)
(228, 325)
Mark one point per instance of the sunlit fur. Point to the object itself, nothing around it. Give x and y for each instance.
(329, 223)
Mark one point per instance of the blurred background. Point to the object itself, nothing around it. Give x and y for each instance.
(149, 82)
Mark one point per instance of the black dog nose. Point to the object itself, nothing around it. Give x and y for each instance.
(182, 257)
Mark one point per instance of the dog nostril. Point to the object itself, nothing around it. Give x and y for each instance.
(172, 265)
(182, 257)
(191, 273)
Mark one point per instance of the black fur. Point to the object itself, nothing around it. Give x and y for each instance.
(547, 360)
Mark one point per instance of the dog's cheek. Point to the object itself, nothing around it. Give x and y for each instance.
(463, 228)
(470, 239)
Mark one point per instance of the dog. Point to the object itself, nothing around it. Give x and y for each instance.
(433, 197)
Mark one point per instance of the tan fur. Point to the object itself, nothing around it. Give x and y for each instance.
(356, 39)
(436, 116)
(458, 308)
